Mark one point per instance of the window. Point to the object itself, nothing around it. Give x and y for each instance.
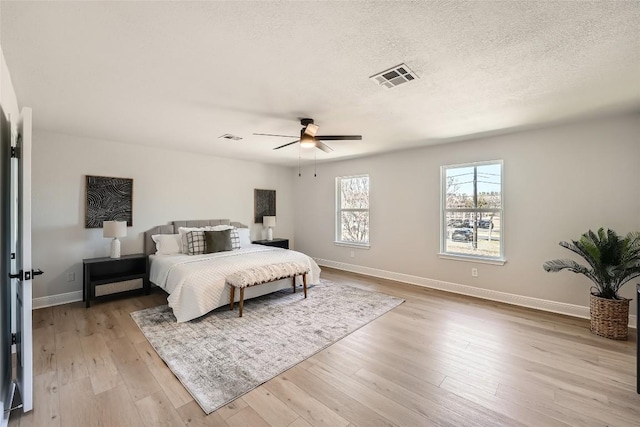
(472, 215)
(352, 210)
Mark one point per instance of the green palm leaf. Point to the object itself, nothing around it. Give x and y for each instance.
(612, 260)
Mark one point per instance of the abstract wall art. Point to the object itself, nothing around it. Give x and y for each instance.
(264, 204)
(108, 199)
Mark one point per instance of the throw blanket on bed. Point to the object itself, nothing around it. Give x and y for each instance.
(197, 283)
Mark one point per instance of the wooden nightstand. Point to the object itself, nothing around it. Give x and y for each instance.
(278, 243)
(101, 271)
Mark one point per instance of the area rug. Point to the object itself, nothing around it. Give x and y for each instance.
(220, 356)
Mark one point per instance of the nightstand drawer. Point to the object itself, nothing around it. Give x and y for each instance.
(278, 243)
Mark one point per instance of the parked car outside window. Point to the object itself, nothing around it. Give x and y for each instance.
(462, 235)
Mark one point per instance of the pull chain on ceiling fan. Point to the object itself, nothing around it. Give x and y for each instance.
(309, 139)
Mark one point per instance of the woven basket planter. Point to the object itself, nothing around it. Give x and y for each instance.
(609, 317)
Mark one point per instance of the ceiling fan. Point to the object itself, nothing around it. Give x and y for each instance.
(309, 139)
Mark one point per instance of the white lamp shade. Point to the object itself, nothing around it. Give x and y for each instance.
(114, 228)
(307, 141)
(269, 221)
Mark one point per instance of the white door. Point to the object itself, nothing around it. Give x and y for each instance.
(6, 268)
(24, 343)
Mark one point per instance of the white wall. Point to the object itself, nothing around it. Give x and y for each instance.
(8, 98)
(168, 185)
(558, 183)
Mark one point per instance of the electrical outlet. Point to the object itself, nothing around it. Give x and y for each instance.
(71, 277)
(353, 254)
(474, 272)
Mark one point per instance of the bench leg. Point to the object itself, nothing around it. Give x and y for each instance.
(304, 284)
(294, 284)
(241, 300)
(232, 295)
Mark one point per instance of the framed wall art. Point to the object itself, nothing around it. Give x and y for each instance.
(264, 204)
(108, 199)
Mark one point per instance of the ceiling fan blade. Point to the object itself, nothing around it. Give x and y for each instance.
(282, 146)
(339, 137)
(324, 147)
(311, 129)
(270, 134)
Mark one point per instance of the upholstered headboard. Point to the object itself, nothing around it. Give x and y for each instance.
(172, 228)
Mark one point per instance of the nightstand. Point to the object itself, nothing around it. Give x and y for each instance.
(278, 243)
(101, 271)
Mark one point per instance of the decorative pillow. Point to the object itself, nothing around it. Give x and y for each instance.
(167, 244)
(244, 237)
(183, 236)
(235, 239)
(217, 241)
(196, 244)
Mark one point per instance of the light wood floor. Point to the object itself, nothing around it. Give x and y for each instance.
(438, 359)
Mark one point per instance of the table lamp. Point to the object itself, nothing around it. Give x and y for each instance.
(114, 229)
(269, 222)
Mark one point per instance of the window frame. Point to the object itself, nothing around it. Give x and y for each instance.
(444, 254)
(338, 212)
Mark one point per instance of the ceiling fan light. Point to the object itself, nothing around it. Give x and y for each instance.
(307, 141)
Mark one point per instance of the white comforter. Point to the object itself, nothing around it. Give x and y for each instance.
(196, 283)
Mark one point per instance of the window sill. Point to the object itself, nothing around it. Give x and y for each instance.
(480, 260)
(353, 245)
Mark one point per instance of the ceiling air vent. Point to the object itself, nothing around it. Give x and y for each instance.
(394, 76)
(231, 137)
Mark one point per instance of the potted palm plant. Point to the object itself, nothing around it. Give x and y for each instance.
(612, 262)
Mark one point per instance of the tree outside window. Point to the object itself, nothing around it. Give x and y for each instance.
(352, 214)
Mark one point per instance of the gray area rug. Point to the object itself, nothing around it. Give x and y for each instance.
(220, 356)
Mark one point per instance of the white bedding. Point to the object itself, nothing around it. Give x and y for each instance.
(196, 283)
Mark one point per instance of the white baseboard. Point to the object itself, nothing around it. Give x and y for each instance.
(75, 296)
(519, 300)
(58, 299)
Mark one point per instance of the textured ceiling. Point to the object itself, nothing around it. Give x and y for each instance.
(180, 74)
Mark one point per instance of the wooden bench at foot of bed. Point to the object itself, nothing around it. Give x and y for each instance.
(265, 274)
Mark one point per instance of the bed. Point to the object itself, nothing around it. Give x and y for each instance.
(196, 283)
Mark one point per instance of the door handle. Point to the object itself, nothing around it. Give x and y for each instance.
(26, 275)
(18, 275)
